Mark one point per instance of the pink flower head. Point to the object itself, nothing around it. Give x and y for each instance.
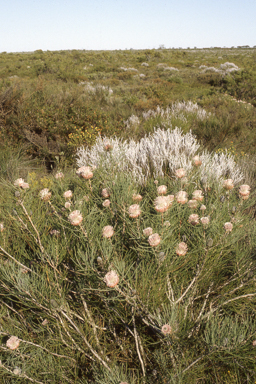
(45, 194)
(244, 191)
(181, 197)
(193, 219)
(161, 204)
(147, 231)
(254, 343)
(85, 172)
(134, 211)
(108, 231)
(202, 208)
(67, 205)
(154, 240)
(106, 203)
(192, 204)
(25, 186)
(18, 182)
(111, 279)
(1, 227)
(75, 218)
(166, 329)
(136, 197)
(205, 220)
(162, 190)
(228, 227)
(68, 195)
(107, 145)
(179, 173)
(105, 193)
(167, 223)
(13, 342)
(197, 161)
(170, 199)
(228, 184)
(59, 175)
(182, 249)
(198, 195)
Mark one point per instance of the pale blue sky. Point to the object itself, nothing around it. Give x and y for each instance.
(27, 25)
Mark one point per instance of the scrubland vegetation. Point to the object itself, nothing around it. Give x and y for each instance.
(127, 216)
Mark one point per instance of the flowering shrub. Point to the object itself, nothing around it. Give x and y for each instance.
(116, 291)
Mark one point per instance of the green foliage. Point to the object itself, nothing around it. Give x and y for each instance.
(74, 325)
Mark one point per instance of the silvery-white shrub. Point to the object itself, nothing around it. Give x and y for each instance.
(157, 154)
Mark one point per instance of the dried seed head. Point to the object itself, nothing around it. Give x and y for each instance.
(167, 223)
(1, 227)
(134, 211)
(75, 218)
(111, 279)
(154, 240)
(108, 231)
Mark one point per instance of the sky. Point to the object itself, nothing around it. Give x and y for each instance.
(28, 25)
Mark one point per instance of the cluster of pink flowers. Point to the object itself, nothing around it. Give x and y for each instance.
(105, 193)
(108, 231)
(75, 218)
(111, 279)
(193, 219)
(136, 197)
(179, 173)
(182, 249)
(85, 172)
(244, 191)
(198, 195)
(68, 195)
(228, 227)
(21, 183)
(181, 197)
(197, 161)
(162, 190)
(154, 240)
(45, 194)
(13, 342)
(228, 184)
(166, 329)
(134, 211)
(59, 175)
(147, 231)
(106, 203)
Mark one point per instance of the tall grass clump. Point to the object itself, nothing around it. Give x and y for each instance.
(130, 270)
